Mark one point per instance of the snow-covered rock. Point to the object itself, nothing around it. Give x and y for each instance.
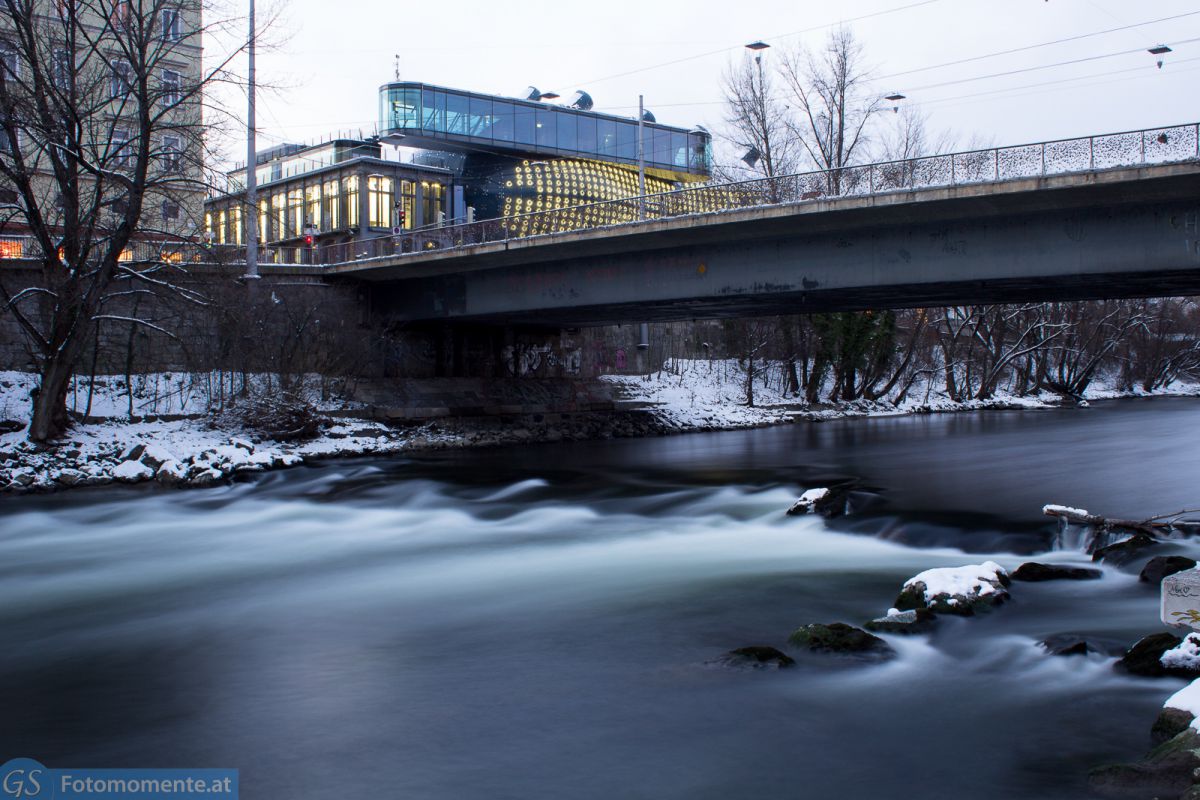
(1185, 655)
(241, 443)
(132, 471)
(956, 590)
(155, 455)
(171, 473)
(917, 620)
(808, 501)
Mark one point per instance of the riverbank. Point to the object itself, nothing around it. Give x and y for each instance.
(179, 440)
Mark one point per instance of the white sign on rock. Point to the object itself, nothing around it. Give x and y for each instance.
(1181, 599)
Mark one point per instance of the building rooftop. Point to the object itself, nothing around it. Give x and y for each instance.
(438, 118)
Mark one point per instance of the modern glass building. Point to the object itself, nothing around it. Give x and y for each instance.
(437, 118)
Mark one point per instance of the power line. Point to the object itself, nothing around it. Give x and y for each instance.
(1037, 46)
(738, 47)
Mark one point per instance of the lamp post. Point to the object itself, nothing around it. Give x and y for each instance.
(641, 158)
(757, 47)
(251, 166)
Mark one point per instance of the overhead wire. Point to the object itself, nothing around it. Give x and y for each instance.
(738, 47)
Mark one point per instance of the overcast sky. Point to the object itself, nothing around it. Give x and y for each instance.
(334, 56)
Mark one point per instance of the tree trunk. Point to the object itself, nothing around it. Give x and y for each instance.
(50, 419)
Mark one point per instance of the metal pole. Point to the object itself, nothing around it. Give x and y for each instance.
(251, 166)
(641, 160)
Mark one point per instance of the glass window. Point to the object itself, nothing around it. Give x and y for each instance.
(606, 137)
(502, 121)
(658, 146)
(457, 112)
(524, 124)
(221, 231)
(433, 109)
(379, 201)
(431, 195)
(587, 134)
(170, 87)
(405, 202)
(172, 31)
(406, 108)
(627, 140)
(264, 222)
(350, 184)
(481, 118)
(546, 133)
(696, 152)
(295, 219)
(330, 206)
(679, 149)
(312, 201)
(279, 216)
(567, 138)
(239, 233)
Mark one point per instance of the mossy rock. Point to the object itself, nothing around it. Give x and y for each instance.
(838, 637)
(1170, 723)
(757, 657)
(1165, 771)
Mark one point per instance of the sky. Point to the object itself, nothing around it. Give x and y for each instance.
(327, 60)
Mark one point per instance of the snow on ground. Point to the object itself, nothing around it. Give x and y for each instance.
(712, 394)
(178, 423)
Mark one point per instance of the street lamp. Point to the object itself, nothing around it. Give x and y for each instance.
(1159, 50)
(895, 97)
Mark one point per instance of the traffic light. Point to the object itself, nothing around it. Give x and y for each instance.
(400, 218)
(308, 240)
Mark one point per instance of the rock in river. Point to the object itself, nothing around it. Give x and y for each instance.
(1034, 571)
(1160, 567)
(838, 637)
(917, 620)
(956, 590)
(756, 657)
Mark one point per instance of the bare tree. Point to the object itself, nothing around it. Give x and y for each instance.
(756, 120)
(833, 100)
(101, 111)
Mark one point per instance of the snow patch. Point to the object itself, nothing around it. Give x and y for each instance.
(1185, 655)
(1050, 508)
(1187, 699)
(969, 581)
(132, 471)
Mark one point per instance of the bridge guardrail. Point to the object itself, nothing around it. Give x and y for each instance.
(1178, 143)
(1173, 144)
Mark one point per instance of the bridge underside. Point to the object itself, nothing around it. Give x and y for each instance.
(1130, 235)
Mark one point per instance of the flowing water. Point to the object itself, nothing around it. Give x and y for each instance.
(538, 621)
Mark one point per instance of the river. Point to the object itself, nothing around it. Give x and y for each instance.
(537, 621)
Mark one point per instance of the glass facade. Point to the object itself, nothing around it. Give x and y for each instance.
(432, 116)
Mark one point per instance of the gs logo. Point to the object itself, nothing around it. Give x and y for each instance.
(23, 779)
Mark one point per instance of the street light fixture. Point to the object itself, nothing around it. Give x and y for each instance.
(1159, 50)
(895, 97)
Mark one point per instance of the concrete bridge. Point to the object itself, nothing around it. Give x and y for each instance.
(1121, 218)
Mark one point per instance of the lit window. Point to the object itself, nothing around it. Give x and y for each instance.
(11, 248)
(330, 206)
(379, 201)
(351, 186)
(312, 199)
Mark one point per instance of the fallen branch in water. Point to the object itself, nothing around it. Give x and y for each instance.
(1161, 523)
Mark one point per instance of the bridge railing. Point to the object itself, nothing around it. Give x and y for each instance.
(1063, 156)
(1177, 143)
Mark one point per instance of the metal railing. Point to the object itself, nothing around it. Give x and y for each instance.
(1175, 144)
(1180, 143)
